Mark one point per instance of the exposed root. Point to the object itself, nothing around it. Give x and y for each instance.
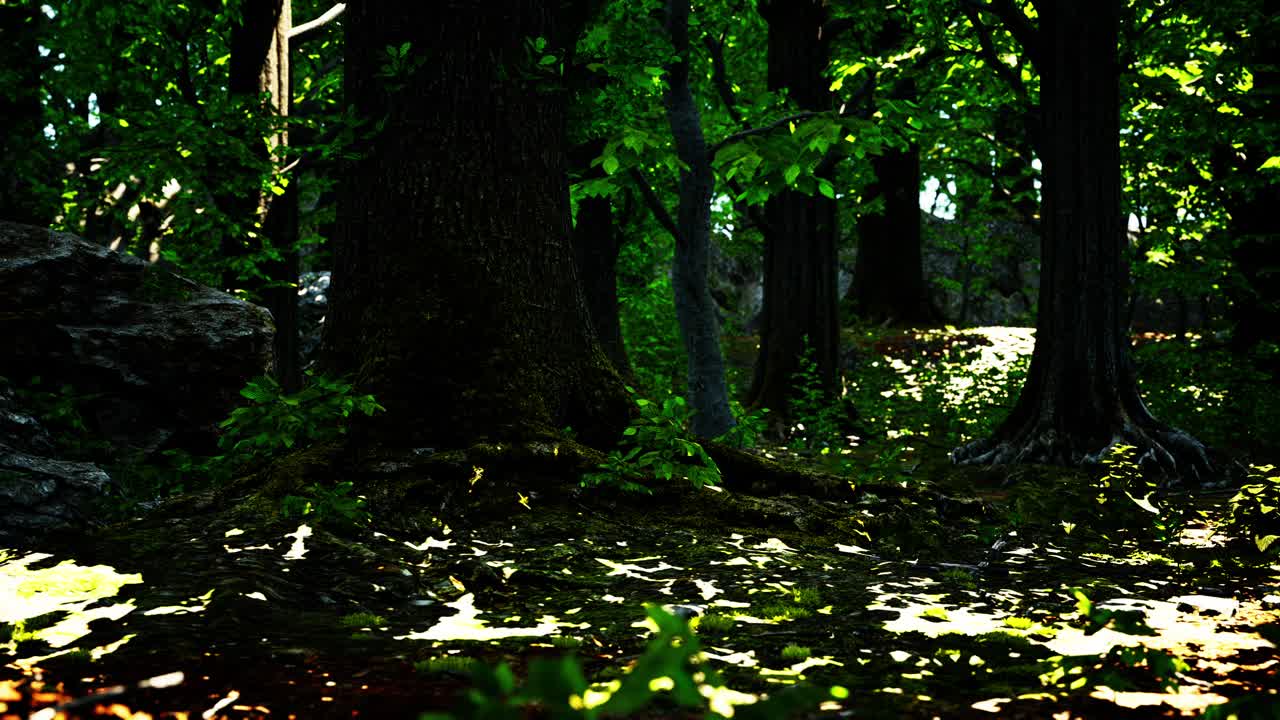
(1167, 453)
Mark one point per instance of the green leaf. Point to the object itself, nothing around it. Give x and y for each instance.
(826, 188)
(1272, 163)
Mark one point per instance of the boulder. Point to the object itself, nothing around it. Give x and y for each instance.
(313, 303)
(152, 360)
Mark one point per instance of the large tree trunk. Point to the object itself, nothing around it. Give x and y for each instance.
(1081, 394)
(455, 297)
(800, 289)
(596, 244)
(1255, 224)
(260, 64)
(695, 308)
(26, 166)
(888, 278)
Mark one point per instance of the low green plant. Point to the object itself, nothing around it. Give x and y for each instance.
(566, 642)
(807, 597)
(1128, 500)
(817, 417)
(793, 652)
(656, 445)
(749, 429)
(1254, 514)
(1120, 668)
(336, 505)
(362, 620)
(457, 664)
(714, 624)
(672, 668)
(274, 422)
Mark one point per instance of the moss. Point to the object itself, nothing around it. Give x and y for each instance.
(793, 652)
(362, 620)
(159, 286)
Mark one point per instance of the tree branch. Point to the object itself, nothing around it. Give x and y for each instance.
(1015, 21)
(765, 129)
(987, 43)
(720, 78)
(655, 204)
(299, 34)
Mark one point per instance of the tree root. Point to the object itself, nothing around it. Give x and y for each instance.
(1167, 453)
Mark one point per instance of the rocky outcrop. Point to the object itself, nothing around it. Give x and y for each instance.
(153, 360)
(313, 303)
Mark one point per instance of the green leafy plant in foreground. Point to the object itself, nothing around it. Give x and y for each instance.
(656, 445)
(672, 667)
(337, 505)
(1255, 510)
(817, 416)
(274, 422)
(1120, 667)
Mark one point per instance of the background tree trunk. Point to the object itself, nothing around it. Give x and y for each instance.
(800, 290)
(695, 308)
(26, 164)
(260, 65)
(596, 244)
(1081, 394)
(455, 299)
(888, 278)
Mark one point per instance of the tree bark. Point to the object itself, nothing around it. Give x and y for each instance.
(695, 308)
(801, 303)
(24, 153)
(596, 244)
(260, 65)
(1255, 225)
(455, 299)
(1081, 394)
(888, 278)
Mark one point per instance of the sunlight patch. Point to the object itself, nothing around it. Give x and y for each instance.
(467, 625)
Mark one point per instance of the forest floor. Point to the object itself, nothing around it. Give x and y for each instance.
(928, 592)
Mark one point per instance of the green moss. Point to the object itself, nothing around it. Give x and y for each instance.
(159, 286)
(714, 624)
(807, 597)
(362, 620)
(566, 642)
(794, 653)
(458, 664)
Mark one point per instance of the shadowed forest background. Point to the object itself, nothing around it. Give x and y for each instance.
(640, 358)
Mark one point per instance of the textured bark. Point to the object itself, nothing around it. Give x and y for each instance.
(1255, 225)
(800, 262)
(260, 65)
(888, 278)
(455, 299)
(596, 244)
(695, 308)
(1081, 394)
(24, 161)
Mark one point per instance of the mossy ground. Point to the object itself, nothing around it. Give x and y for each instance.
(924, 589)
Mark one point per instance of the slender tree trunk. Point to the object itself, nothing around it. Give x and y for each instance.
(260, 65)
(801, 303)
(695, 308)
(888, 278)
(1081, 394)
(455, 299)
(596, 244)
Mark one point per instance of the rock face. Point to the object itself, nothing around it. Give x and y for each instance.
(154, 361)
(313, 303)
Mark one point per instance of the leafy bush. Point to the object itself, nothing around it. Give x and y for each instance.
(671, 667)
(656, 445)
(1255, 510)
(817, 416)
(274, 422)
(336, 505)
(749, 429)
